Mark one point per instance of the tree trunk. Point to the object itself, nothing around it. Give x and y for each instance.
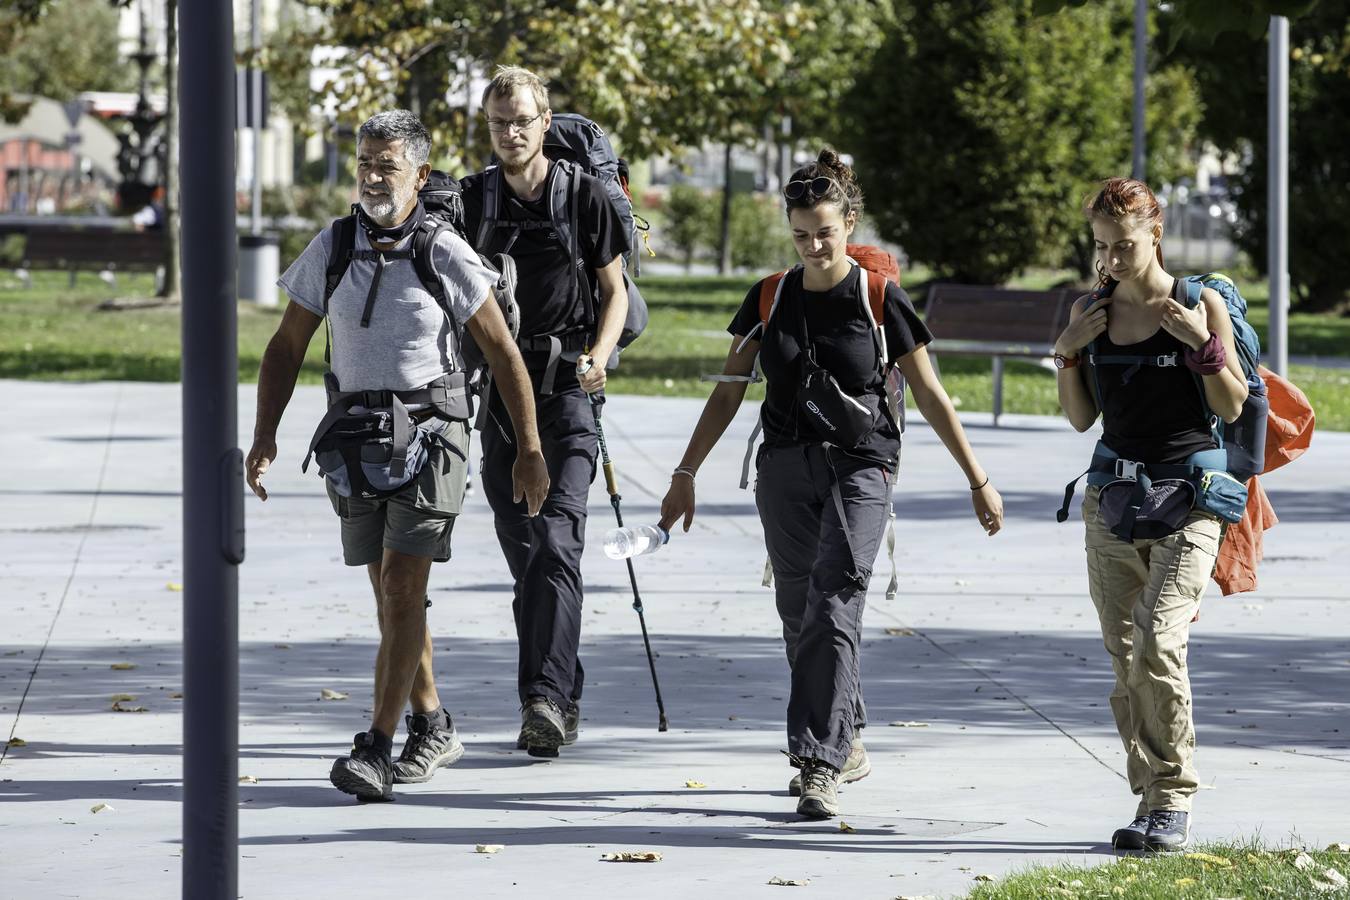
(724, 240)
(171, 287)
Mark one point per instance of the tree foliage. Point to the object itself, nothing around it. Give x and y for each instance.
(58, 50)
(1232, 78)
(1208, 20)
(986, 126)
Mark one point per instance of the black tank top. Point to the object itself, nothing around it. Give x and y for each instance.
(1151, 414)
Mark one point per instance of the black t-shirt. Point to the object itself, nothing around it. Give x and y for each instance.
(841, 332)
(548, 305)
(1152, 414)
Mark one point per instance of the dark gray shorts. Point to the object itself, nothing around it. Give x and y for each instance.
(418, 519)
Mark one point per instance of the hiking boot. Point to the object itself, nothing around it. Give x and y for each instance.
(367, 773)
(1168, 829)
(856, 768)
(1131, 837)
(820, 782)
(542, 727)
(427, 748)
(571, 725)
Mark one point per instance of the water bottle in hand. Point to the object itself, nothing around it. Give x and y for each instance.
(625, 543)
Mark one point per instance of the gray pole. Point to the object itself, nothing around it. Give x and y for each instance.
(255, 100)
(213, 520)
(1139, 168)
(1277, 195)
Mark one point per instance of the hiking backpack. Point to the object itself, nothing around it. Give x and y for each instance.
(1244, 439)
(577, 146)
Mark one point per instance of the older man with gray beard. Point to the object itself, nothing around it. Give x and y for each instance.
(391, 338)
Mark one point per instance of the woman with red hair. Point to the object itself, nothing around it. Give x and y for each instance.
(1133, 353)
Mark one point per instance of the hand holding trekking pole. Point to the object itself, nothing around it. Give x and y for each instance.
(591, 376)
(585, 364)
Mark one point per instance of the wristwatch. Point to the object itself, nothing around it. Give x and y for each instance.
(1065, 362)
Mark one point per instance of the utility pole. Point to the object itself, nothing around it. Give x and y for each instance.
(213, 466)
(1140, 167)
(1277, 195)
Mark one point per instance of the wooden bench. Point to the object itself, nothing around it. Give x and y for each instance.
(98, 250)
(976, 320)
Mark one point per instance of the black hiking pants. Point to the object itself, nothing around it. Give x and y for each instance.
(544, 552)
(820, 584)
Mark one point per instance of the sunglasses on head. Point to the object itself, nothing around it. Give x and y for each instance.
(816, 187)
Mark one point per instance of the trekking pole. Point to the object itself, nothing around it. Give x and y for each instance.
(612, 486)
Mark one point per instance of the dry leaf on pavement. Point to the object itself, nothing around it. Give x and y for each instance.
(123, 698)
(789, 882)
(488, 848)
(16, 742)
(330, 694)
(984, 878)
(118, 707)
(101, 807)
(173, 586)
(632, 856)
(900, 632)
(694, 784)
(123, 666)
(248, 779)
(847, 828)
(909, 724)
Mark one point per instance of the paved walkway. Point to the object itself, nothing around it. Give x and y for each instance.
(990, 654)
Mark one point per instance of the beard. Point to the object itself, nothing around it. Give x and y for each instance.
(517, 167)
(382, 209)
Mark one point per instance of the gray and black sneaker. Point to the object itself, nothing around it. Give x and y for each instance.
(367, 773)
(571, 725)
(427, 748)
(820, 783)
(1131, 837)
(856, 768)
(543, 727)
(1168, 830)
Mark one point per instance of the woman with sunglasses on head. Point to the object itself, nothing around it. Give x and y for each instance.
(823, 495)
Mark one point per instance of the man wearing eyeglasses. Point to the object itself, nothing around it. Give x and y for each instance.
(572, 301)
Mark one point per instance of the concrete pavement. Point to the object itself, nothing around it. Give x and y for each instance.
(990, 653)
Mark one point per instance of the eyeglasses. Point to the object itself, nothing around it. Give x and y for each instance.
(816, 187)
(501, 126)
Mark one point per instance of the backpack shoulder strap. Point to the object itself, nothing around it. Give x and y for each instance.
(341, 243)
(769, 290)
(1194, 286)
(423, 246)
(492, 206)
(876, 296)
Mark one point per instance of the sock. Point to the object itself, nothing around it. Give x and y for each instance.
(438, 718)
(383, 742)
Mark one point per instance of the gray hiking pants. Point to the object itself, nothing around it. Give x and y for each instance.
(820, 584)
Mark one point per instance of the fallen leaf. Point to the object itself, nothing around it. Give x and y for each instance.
(900, 632)
(173, 586)
(122, 666)
(789, 882)
(847, 828)
(281, 646)
(1210, 858)
(248, 779)
(694, 784)
(101, 807)
(123, 698)
(632, 856)
(329, 694)
(118, 707)
(984, 878)
(1184, 882)
(1304, 861)
(16, 742)
(909, 724)
(1338, 848)
(488, 848)
(176, 695)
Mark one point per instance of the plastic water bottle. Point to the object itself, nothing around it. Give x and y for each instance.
(625, 543)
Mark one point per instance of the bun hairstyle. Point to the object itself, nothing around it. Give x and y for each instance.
(1122, 199)
(844, 191)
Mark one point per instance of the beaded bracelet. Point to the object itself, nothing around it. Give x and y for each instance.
(683, 470)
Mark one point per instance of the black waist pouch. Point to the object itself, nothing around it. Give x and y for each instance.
(844, 420)
(1162, 509)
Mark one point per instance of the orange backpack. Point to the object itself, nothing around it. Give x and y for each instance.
(879, 266)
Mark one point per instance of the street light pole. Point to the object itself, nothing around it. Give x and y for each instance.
(213, 520)
(1140, 167)
(1277, 195)
(255, 101)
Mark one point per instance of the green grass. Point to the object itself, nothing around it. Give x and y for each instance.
(53, 332)
(1212, 871)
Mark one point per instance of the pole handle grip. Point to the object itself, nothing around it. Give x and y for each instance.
(611, 483)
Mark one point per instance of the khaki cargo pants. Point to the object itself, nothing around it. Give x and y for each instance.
(1146, 593)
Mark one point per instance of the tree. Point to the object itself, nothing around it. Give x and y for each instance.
(58, 50)
(1207, 19)
(1232, 78)
(986, 126)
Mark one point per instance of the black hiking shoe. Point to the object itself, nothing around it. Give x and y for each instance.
(1168, 830)
(367, 773)
(571, 725)
(857, 767)
(1131, 837)
(543, 727)
(426, 750)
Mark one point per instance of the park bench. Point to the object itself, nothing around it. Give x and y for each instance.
(97, 250)
(976, 320)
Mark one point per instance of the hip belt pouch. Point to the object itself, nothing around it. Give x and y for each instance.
(1143, 509)
(843, 419)
(368, 450)
(1222, 495)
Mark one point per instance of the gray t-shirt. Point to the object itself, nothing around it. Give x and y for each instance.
(409, 342)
